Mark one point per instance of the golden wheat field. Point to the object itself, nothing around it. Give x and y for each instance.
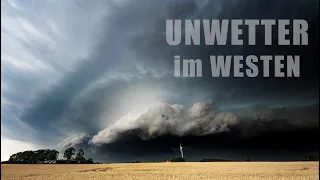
(174, 171)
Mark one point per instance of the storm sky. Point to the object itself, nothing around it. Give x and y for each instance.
(98, 75)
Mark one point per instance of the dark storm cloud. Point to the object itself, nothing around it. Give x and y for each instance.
(201, 119)
(204, 118)
(156, 133)
(114, 41)
(130, 52)
(281, 90)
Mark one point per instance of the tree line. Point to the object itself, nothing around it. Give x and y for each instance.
(78, 159)
(312, 157)
(34, 157)
(48, 156)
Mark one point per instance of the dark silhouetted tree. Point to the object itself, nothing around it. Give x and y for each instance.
(33, 157)
(313, 157)
(89, 161)
(68, 153)
(80, 155)
(53, 155)
(80, 152)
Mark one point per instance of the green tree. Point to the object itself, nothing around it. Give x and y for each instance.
(33, 157)
(41, 157)
(68, 153)
(52, 155)
(80, 152)
(80, 155)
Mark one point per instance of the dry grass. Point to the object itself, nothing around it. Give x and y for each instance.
(177, 171)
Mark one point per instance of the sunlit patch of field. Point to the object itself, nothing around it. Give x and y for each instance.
(177, 171)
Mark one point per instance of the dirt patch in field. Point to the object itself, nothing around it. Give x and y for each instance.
(304, 168)
(97, 170)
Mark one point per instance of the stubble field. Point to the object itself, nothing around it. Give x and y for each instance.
(174, 171)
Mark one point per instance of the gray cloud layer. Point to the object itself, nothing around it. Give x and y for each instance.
(201, 119)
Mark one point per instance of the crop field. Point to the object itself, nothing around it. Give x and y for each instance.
(157, 171)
